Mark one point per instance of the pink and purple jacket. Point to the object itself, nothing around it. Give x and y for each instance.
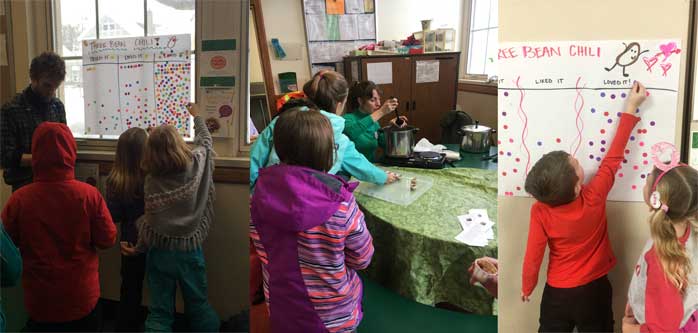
(311, 238)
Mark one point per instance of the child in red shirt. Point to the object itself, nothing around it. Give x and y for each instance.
(570, 218)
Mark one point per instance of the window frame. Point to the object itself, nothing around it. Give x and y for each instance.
(100, 143)
(468, 8)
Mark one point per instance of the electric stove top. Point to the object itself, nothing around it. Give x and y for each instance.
(423, 160)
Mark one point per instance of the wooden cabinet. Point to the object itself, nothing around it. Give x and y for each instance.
(424, 96)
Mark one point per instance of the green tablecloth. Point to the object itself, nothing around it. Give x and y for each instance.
(417, 254)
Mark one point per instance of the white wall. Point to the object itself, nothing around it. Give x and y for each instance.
(540, 20)
(397, 19)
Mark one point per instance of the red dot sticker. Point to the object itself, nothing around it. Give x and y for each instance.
(511, 140)
(620, 175)
(518, 188)
(518, 159)
(627, 151)
(635, 167)
(505, 126)
(515, 170)
(603, 131)
(634, 187)
(605, 114)
(558, 140)
(504, 173)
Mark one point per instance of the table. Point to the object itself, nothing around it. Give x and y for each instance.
(416, 253)
(472, 160)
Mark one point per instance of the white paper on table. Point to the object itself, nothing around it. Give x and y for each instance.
(424, 145)
(367, 26)
(380, 72)
(317, 27)
(314, 7)
(348, 28)
(466, 221)
(472, 239)
(427, 71)
(353, 6)
(490, 234)
(3, 49)
(479, 213)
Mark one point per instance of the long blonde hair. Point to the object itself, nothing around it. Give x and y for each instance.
(166, 152)
(678, 190)
(125, 180)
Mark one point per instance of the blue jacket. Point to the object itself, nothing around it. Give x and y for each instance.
(348, 158)
(11, 266)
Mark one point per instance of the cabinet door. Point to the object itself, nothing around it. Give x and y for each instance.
(399, 85)
(432, 96)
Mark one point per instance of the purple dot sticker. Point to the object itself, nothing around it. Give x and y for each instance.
(642, 176)
(610, 121)
(603, 94)
(508, 153)
(506, 93)
(623, 95)
(598, 159)
(603, 150)
(591, 156)
(540, 143)
(593, 110)
(618, 114)
(637, 110)
(603, 142)
(652, 123)
(504, 114)
(591, 143)
(613, 96)
(632, 138)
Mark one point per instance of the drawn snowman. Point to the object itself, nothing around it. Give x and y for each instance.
(629, 56)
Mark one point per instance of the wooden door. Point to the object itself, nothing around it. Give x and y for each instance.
(400, 85)
(432, 100)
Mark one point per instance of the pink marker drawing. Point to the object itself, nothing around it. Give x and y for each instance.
(524, 132)
(665, 67)
(668, 49)
(579, 100)
(650, 61)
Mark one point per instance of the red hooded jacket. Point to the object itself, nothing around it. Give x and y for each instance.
(58, 223)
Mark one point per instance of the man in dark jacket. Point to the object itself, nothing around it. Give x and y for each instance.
(20, 117)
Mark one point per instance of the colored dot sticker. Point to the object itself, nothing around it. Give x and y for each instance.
(539, 143)
(504, 114)
(593, 110)
(508, 153)
(634, 187)
(506, 93)
(613, 96)
(504, 173)
(603, 142)
(603, 150)
(620, 175)
(652, 123)
(511, 140)
(506, 127)
(632, 138)
(591, 157)
(623, 95)
(605, 114)
(603, 94)
(558, 140)
(603, 131)
(598, 159)
(591, 143)
(610, 120)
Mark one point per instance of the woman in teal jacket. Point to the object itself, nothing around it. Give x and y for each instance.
(328, 90)
(365, 110)
(10, 264)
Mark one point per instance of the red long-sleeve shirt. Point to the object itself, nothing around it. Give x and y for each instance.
(576, 232)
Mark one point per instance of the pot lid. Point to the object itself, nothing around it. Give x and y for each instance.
(477, 128)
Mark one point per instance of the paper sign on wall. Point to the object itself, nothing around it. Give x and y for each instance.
(569, 95)
(380, 72)
(218, 109)
(427, 71)
(136, 82)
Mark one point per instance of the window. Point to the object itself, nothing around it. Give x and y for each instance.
(482, 37)
(77, 20)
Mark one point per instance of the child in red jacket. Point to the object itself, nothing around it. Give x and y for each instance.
(58, 223)
(570, 218)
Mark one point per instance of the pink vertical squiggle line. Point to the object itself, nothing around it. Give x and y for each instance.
(578, 120)
(524, 132)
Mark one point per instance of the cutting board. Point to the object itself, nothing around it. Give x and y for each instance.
(399, 192)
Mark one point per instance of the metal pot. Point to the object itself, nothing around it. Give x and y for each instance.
(476, 138)
(399, 142)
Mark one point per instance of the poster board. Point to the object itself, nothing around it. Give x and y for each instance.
(136, 82)
(568, 95)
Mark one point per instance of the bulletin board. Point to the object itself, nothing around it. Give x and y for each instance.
(336, 27)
